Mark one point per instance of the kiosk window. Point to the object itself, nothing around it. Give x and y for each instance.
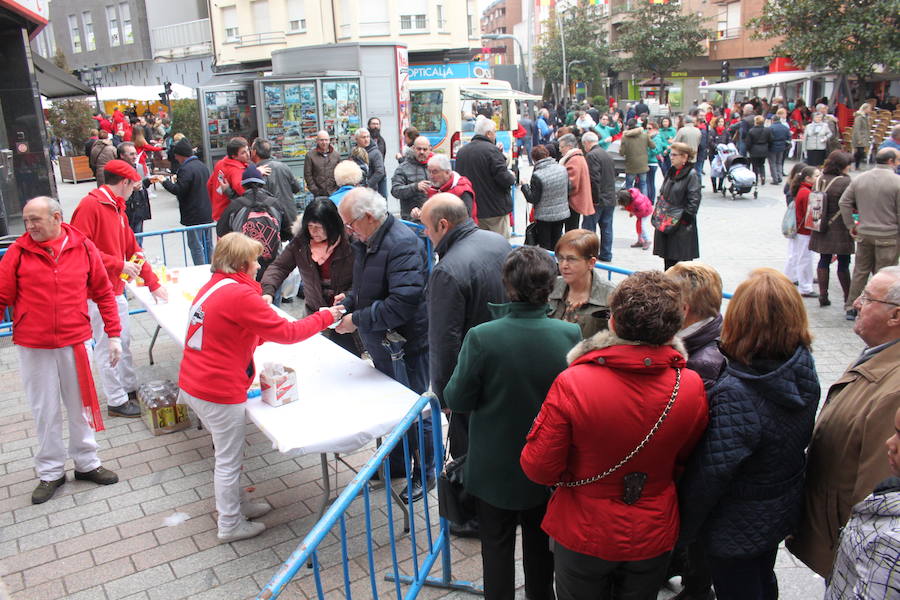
(497, 110)
(427, 107)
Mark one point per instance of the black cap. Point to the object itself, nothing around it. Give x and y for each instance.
(183, 148)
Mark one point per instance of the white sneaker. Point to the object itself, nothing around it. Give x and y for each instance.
(243, 530)
(253, 510)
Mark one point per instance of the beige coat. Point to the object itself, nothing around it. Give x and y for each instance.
(847, 455)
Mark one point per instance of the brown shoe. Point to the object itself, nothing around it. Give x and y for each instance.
(45, 490)
(100, 475)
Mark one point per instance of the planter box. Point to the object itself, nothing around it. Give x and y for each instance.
(75, 168)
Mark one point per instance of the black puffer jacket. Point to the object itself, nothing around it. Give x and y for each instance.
(742, 491)
(404, 185)
(681, 189)
(703, 352)
(759, 141)
(388, 290)
(190, 189)
(485, 166)
(463, 282)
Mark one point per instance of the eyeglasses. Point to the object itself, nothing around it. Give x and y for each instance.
(349, 225)
(864, 298)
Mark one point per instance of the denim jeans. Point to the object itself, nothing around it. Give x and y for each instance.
(638, 180)
(604, 217)
(200, 243)
(651, 184)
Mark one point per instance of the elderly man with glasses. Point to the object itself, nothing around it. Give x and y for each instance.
(846, 455)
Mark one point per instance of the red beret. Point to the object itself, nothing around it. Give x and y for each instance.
(122, 169)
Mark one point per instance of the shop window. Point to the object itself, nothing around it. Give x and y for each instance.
(427, 106)
(230, 22)
(112, 25)
(88, 23)
(296, 16)
(125, 15)
(75, 33)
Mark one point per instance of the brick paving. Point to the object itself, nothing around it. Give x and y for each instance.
(111, 542)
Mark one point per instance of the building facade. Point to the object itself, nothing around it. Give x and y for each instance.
(246, 33)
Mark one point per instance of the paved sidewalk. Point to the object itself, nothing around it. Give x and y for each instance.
(111, 542)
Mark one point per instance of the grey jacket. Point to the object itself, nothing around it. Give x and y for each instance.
(283, 185)
(376, 166)
(548, 191)
(875, 196)
(404, 182)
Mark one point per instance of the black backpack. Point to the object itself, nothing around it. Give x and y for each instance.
(262, 222)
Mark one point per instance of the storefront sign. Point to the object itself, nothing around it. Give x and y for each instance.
(403, 97)
(678, 74)
(467, 70)
(745, 73)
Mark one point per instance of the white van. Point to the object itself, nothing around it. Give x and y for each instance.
(444, 111)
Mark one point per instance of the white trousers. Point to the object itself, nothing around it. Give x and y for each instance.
(799, 266)
(116, 381)
(49, 376)
(225, 423)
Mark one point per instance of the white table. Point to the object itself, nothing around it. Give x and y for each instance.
(344, 404)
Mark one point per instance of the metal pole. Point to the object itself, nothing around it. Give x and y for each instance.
(562, 41)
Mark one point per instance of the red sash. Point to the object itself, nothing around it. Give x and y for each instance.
(86, 386)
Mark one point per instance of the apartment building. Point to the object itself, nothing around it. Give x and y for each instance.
(245, 32)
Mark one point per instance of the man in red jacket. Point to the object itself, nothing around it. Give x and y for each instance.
(225, 181)
(101, 217)
(47, 275)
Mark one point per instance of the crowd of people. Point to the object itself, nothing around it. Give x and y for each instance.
(633, 431)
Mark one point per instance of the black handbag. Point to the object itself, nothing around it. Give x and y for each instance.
(531, 234)
(454, 503)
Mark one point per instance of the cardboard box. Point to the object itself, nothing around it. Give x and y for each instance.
(280, 390)
(160, 409)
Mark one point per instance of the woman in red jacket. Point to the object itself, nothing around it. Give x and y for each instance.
(142, 148)
(228, 320)
(799, 265)
(616, 427)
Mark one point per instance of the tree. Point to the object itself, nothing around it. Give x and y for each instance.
(584, 42)
(71, 120)
(186, 120)
(660, 38)
(59, 59)
(851, 37)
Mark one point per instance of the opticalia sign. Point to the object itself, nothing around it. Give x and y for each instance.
(466, 70)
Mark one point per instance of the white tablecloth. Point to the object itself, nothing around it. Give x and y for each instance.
(344, 402)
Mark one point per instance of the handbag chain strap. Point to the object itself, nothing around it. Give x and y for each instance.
(639, 447)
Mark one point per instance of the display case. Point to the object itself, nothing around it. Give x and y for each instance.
(227, 111)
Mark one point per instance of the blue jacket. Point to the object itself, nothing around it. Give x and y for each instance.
(781, 137)
(389, 288)
(742, 491)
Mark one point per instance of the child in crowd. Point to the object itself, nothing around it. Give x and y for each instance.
(799, 266)
(640, 207)
(789, 183)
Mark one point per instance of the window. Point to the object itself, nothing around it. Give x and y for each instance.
(75, 32)
(441, 21)
(112, 25)
(729, 25)
(373, 18)
(296, 16)
(346, 18)
(88, 23)
(427, 107)
(230, 22)
(412, 15)
(125, 15)
(261, 17)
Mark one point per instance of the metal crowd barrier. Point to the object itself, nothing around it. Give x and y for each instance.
(427, 538)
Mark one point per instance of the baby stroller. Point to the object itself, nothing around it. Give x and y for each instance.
(740, 177)
(723, 153)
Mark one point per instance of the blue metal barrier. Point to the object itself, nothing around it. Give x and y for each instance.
(421, 524)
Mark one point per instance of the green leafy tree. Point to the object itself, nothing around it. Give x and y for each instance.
(186, 119)
(584, 42)
(851, 37)
(660, 38)
(71, 120)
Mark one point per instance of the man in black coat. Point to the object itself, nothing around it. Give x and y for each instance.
(462, 284)
(484, 164)
(193, 199)
(602, 171)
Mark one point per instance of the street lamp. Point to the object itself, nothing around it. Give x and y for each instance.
(523, 70)
(566, 69)
(93, 77)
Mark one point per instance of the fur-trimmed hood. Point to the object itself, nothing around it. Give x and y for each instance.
(607, 338)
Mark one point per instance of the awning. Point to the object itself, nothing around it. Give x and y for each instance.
(498, 94)
(764, 81)
(53, 82)
(142, 92)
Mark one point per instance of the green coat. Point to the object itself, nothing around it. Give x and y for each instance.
(505, 369)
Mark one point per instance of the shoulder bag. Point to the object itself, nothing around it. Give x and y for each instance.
(666, 218)
(454, 503)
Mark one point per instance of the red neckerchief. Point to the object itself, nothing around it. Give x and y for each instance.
(119, 202)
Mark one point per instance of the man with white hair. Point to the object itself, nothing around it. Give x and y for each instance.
(834, 142)
(376, 160)
(387, 301)
(482, 161)
(845, 459)
(445, 180)
(47, 276)
(410, 182)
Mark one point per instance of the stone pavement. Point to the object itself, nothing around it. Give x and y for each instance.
(112, 542)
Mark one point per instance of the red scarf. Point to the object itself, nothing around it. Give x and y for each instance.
(457, 185)
(86, 387)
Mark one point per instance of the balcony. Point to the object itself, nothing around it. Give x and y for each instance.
(265, 38)
(728, 33)
(181, 40)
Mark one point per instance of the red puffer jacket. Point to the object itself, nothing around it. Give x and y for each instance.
(50, 296)
(596, 413)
